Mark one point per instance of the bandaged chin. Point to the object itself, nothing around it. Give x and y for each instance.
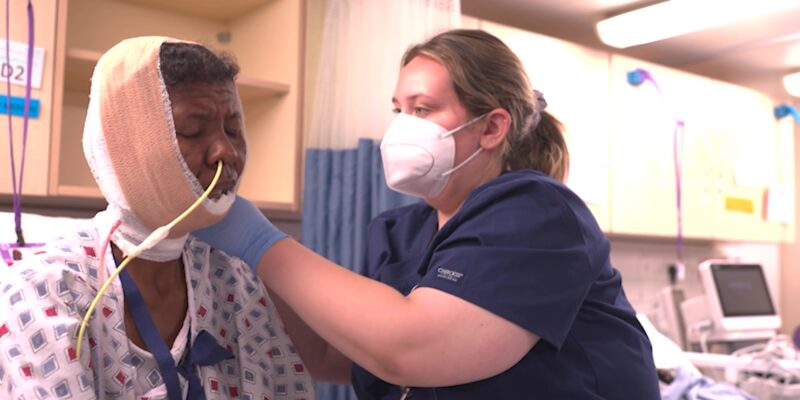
(130, 144)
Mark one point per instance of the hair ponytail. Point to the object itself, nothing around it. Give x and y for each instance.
(542, 147)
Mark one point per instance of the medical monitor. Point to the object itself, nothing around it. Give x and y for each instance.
(738, 296)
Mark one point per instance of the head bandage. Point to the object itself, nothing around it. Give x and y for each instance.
(130, 144)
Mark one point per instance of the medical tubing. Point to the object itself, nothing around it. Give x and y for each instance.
(677, 154)
(100, 278)
(636, 78)
(795, 114)
(149, 242)
(783, 110)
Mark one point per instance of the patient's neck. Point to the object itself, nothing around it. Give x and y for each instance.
(164, 291)
(154, 278)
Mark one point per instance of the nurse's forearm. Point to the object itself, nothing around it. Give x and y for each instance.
(369, 322)
(323, 361)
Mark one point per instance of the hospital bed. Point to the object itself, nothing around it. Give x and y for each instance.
(736, 312)
(38, 229)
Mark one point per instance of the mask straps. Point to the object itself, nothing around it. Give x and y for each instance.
(462, 126)
(456, 168)
(475, 154)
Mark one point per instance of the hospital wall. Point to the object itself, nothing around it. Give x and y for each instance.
(642, 259)
(639, 211)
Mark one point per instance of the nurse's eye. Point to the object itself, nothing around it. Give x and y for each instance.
(421, 111)
(395, 110)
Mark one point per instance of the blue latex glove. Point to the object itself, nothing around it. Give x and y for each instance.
(244, 232)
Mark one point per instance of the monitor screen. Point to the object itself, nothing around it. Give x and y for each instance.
(742, 290)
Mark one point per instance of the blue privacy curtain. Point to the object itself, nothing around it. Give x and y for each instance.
(343, 191)
(357, 59)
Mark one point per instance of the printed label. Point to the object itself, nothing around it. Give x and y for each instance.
(450, 275)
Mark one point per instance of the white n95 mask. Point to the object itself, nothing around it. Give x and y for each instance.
(418, 155)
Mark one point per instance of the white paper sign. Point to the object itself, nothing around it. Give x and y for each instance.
(17, 67)
(780, 205)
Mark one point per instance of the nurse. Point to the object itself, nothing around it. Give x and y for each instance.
(498, 285)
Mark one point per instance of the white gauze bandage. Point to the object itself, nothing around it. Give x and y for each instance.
(130, 144)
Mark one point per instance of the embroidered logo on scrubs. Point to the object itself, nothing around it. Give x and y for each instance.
(450, 275)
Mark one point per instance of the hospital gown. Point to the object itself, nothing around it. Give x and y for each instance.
(43, 299)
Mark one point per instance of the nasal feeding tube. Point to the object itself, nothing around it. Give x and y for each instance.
(151, 240)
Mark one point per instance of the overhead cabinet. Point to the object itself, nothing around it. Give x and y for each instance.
(631, 144)
(574, 81)
(265, 37)
(729, 156)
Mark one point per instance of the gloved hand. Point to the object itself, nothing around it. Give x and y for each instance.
(244, 232)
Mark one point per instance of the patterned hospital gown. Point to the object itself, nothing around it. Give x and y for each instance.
(43, 299)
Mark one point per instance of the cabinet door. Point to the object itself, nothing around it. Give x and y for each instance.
(264, 36)
(37, 154)
(574, 81)
(267, 42)
(752, 167)
(786, 179)
(643, 178)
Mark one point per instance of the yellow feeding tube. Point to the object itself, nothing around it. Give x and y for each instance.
(149, 242)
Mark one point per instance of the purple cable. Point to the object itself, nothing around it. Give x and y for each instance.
(797, 337)
(8, 110)
(16, 191)
(677, 155)
(25, 119)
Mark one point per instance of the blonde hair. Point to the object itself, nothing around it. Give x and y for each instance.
(487, 75)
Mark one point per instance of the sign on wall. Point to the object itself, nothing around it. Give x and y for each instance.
(16, 65)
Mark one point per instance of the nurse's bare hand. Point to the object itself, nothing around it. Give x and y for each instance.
(244, 232)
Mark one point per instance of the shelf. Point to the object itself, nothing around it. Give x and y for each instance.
(269, 84)
(78, 69)
(80, 65)
(80, 191)
(251, 89)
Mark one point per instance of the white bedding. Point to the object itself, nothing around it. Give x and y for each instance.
(36, 228)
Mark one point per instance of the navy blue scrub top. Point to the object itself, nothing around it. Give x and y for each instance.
(525, 247)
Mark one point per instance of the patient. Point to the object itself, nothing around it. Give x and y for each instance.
(182, 320)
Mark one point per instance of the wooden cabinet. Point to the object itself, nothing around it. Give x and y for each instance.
(265, 37)
(735, 159)
(754, 168)
(642, 129)
(731, 158)
(38, 143)
(574, 81)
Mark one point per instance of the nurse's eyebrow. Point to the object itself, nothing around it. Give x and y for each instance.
(412, 97)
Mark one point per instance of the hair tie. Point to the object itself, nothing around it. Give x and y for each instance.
(533, 120)
(541, 103)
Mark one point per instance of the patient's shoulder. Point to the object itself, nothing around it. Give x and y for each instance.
(65, 267)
